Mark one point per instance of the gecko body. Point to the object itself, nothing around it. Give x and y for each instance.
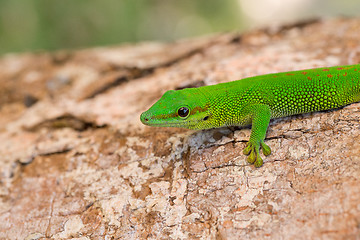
(256, 100)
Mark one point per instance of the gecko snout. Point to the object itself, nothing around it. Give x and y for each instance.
(144, 117)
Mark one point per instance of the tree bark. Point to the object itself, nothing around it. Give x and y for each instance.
(76, 162)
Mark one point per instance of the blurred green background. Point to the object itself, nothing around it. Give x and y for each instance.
(31, 25)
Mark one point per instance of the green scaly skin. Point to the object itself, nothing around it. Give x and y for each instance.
(255, 101)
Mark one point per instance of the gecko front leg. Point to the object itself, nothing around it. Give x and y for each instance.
(260, 117)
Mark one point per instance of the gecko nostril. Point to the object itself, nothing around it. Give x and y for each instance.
(146, 119)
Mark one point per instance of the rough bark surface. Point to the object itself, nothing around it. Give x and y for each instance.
(75, 161)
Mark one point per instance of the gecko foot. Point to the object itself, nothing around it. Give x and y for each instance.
(253, 150)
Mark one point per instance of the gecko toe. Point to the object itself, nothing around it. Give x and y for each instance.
(265, 148)
(259, 162)
(248, 148)
(252, 157)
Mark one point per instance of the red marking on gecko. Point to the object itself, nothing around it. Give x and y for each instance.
(340, 68)
(325, 69)
(309, 78)
(290, 74)
(329, 75)
(304, 73)
(345, 74)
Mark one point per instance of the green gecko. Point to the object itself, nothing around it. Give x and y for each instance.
(256, 100)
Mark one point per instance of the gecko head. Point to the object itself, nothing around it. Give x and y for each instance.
(186, 108)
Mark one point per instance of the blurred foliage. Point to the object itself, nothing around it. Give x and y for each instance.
(28, 25)
(44, 24)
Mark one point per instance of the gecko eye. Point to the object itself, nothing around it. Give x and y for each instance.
(183, 112)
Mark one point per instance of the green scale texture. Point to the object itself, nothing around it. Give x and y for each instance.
(256, 100)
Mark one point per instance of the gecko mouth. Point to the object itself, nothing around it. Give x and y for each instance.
(150, 121)
(187, 124)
